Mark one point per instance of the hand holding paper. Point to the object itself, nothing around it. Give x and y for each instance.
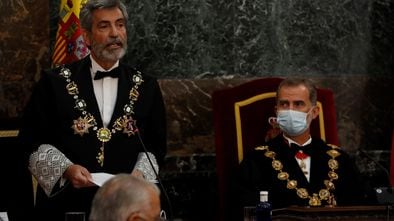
(100, 178)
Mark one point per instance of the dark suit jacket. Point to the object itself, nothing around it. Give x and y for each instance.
(256, 174)
(50, 113)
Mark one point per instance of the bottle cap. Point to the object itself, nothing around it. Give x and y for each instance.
(263, 192)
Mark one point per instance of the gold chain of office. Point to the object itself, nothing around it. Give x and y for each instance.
(316, 198)
(81, 126)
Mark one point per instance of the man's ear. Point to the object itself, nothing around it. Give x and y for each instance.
(134, 217)
(86, 38)
(315, 111)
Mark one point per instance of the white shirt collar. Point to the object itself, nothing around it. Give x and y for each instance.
(96, 67)
(290, 141)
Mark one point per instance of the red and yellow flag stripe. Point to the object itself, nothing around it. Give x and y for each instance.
(69, 45)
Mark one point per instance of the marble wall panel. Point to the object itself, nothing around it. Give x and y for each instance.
(200, 39)
(180, 38)
(215, 38)
(316, 37)
(23, 51)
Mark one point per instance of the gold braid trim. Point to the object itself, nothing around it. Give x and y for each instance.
(316, 198)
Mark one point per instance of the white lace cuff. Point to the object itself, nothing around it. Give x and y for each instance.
(47, 165)
(146, 168)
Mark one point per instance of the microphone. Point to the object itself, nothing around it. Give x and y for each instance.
(156, 173)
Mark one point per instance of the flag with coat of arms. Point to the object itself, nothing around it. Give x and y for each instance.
(69, 45)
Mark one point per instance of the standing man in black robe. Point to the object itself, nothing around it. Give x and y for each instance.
(295, 168)
(94, 115)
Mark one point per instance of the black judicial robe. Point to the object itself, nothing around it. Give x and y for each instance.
(49, 116)
(256, 174)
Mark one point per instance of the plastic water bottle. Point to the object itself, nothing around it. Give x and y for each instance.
(264, 208)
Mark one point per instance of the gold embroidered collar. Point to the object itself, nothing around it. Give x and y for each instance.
(315, 199)
(81, 126)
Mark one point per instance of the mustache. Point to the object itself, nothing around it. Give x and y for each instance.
(114, 41)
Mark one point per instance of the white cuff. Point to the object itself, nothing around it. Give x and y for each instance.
(47, 165)
(146, 168)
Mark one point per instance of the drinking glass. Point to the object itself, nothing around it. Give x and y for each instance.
(249, 213)
(74, 216)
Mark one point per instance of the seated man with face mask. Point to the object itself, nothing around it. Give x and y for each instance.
(295, 168)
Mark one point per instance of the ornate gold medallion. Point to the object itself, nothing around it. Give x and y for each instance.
(283, 176)
(270, 154)
(333, 164)
(100, 156)
(126, 124)
(329, 184)
(314, 200)
(324, 194)
(291, 184)
(261, 148)
(277, 165)
(72, 88)
(104, 134)
(81, 125)
(333, 153)
(302, 193)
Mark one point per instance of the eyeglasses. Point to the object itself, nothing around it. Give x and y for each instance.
(162, 216)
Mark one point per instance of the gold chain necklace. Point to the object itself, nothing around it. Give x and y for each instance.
(316, 198)
(125, 123)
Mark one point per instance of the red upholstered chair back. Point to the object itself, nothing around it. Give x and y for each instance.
(241, 123)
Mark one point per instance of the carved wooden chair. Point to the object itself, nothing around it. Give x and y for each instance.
(240, 116)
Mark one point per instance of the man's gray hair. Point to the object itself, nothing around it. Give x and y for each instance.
(292, 82)
(86, 14)
(121, 196)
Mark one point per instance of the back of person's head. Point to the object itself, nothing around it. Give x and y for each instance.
(125, 198)
(294, 82)
(86, 14)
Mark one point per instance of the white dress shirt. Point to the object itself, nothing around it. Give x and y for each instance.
(105, 90)
(306, 161)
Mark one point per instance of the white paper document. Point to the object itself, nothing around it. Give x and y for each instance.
(100, 178)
